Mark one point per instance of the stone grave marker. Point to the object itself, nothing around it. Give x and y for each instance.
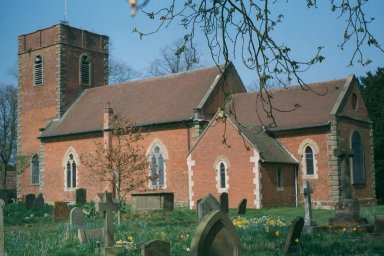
(2, 245)
(206, 205)
(215, 236)
(81, 196)
(60, 211)
(38, 203)
(294, 234)
(224, 202)
(309, 222)
(156, 248)
(29, 201)
(197, 203)
(90, 235)
(378, 229)
(242, 207)
(107, 206)
(76, 218)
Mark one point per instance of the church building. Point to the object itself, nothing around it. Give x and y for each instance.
(200, 145)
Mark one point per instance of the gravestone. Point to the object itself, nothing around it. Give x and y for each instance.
(60, 211)
(379, 226)
(29, 201)
(156, 248)
(81, 196)
(2, 245)
(206, 205)
(347, 210)
(215, 236)
(294, 234)
(38, 203)
(107, 206)
(224, 202)
(76, 218)
(197, 203)
(242, 207)
(90, 235)
(309, 222)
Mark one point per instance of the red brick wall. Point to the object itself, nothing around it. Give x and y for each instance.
(321, 184)
(240, 172)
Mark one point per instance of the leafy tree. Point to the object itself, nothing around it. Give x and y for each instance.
(120, 160)
(8, 128)
(372, 88)
(175, 58)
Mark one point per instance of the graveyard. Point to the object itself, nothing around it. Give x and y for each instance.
(81, 230)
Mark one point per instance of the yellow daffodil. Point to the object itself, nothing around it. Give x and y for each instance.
(130, 239)
(277, 233)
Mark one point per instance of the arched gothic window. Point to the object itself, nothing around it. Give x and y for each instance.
(358, 159)
(38, 70)
(309, 157)
(157, 167)
(71, 172)
(85, 70)
(35, 176)
(222, 177)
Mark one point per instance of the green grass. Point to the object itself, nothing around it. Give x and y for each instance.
(41, 236)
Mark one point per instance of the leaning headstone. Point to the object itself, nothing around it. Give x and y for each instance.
(61, 211)
(29, 201)
(294, 234)
(38, 203)
(379, 226)
(81, 196)
(206, 205)
(2, 246)
(309, 222)
(90, 235)
(107, 207)
(215, 236)
(242, 207)
(224, 202)
(156, 248)
(76, 218)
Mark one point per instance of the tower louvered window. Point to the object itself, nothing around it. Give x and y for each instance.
(38, 70)
(85, 70)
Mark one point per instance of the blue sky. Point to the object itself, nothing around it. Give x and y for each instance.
(302, 30)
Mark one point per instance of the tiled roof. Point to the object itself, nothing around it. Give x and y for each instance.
(166, 99)
(313, 106)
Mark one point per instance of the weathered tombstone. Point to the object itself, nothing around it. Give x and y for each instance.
(81, 196)
(379, 226)
(107, 206)
(2, 245)
(197, 209)
(294, 234)
(242, 207)
(309, 222)
(215, 236)
(29, 201)
(347, 210)
(224, 202)
(90, 235)
(206, 205)
(61, 211)
(156, 248)
(38, 203)
(76, 218)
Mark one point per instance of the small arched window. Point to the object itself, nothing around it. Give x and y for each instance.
(38, 70)
(223, 183)
(85, 70)
(71, 172)
(157, 167)
(222, 177)
(309, 161)
(35, 176)
(354, 101)
(358, 159)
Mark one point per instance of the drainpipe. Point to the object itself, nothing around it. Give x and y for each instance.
(296, 187)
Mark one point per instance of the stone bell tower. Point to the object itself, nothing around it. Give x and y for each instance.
(55, 65)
